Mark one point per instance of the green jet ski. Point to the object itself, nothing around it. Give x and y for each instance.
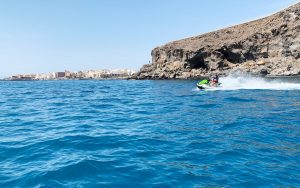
(206, 84)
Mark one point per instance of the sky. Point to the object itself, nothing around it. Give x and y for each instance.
(39, 36)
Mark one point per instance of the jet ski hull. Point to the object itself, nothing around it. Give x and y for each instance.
(207, 86)
(203, 86)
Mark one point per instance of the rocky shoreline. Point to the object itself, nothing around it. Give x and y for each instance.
(268, 47)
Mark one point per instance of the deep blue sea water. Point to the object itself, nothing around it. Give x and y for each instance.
(148, 134)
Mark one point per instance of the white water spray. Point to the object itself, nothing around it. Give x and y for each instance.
(237, 82)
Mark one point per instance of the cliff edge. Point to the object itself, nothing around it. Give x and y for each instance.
(268, 46)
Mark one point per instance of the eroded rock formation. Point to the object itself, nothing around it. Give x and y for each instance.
(268, 46)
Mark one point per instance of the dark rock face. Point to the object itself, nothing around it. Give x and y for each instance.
(266, 46)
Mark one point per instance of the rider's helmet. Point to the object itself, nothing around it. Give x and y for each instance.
(215, 78)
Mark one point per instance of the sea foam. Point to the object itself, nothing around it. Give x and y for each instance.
(242, 81)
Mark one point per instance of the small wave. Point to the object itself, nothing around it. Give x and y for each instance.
(239, 99)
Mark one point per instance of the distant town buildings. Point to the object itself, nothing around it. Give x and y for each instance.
(66, 75)
(60, 74)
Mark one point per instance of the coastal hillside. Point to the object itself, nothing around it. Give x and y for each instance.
(268, 46)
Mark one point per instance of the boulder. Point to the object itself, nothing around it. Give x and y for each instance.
(264, 72)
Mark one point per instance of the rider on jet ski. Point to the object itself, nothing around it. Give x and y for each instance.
(213, 81)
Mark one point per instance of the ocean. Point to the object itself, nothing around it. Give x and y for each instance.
(163, 133)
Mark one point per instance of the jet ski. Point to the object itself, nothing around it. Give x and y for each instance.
(209, 84)
(203, 86)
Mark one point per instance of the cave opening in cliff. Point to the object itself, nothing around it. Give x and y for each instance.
(197, 62)
(231, 56)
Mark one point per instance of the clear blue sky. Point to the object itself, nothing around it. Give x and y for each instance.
(55, 35)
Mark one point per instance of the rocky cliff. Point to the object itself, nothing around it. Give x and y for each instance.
(268, 46)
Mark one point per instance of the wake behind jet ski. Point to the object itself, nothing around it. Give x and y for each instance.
(209, 83)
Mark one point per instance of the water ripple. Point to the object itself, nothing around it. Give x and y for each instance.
(146, 134)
